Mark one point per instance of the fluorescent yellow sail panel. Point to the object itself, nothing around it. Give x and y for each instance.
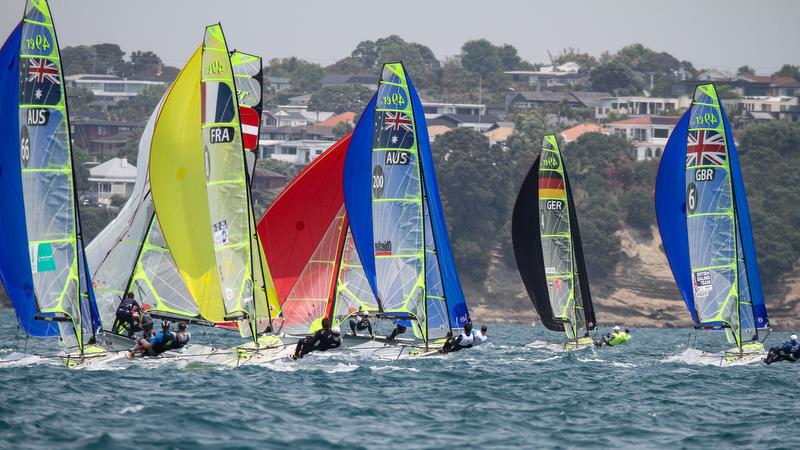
(178, 184)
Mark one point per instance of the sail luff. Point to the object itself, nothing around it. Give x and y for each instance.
(49, 189)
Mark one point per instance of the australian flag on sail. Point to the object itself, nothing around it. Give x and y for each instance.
(705, 147)
(396, 130)
(40, 82)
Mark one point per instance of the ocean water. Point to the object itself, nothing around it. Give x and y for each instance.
(652, 393)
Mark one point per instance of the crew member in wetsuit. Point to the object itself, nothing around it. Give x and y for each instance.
(787, 351)
(480, 337)
(161, 342)
(464, 340)
(362, 323)
(400, 327)
(616, 337)
(324, 339)
(131, 317)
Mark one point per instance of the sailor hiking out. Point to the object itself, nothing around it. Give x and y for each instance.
(324, 339)
(616, 337)
(163, 341)
(361, 322)
(465, 339)
(787, 351)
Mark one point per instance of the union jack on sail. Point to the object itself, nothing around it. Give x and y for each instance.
(705, 147)
(40, 69)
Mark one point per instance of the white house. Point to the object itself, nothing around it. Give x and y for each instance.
(648, 134)
(300, 152)
(566, 74)
(640, 106)
(113, 177)
(472, 109)
(110, 87)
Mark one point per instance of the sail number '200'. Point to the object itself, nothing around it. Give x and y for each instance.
(39, 42)
(705, 119)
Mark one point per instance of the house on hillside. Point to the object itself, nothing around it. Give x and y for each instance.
(369, 81)
(113, 177)
(763, 108)
(110, 87)
(746, 85)
(549, 77)
(478, 123)
(647, 134)
(345, 117)
(784, 86)
(464, 109)
(572, 134)
(499, 133)
(299, 152)
(305, 132)
(282, 118)
(640, 106)
(103, 139)
(277, 84)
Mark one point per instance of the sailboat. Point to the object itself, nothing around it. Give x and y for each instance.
(201, 193)
(310, 249)
(51, 281)
(704, 222)
(549, 253)
(395, 215)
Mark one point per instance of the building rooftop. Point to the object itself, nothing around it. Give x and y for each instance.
(647, 120)
(346, 117)
(571, 134)
(115, 169)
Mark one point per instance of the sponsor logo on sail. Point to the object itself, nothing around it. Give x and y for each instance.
(383, 248)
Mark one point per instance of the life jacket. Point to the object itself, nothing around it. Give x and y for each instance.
(165, 344)
(619, 338)
(466, 340)
(181, 338)
(126, 309)
(479, 338)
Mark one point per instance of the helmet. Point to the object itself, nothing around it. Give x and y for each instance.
(336, 330)
(616, 328)
(793, 337)
(166, 324)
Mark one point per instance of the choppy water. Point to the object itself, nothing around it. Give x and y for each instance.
(648, 394)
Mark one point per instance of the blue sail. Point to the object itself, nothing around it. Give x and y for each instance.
(456, 304)
(15, 274)
(745, 230)
(670, 202)
(357, 197)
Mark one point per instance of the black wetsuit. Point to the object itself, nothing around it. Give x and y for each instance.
(322, 340)
(125, 319)
(457, 343)
(788, 351)
(363, 323)
(398, 329)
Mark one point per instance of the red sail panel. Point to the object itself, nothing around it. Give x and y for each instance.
(296, 223)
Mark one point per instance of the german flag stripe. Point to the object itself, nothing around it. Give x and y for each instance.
(551, 183)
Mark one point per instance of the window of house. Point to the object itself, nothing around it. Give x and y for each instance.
(105, 187)
(648, 154)
(289, 150)
(660, 133)
(640, 134)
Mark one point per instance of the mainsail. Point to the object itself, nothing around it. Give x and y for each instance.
(61, 282)
(310, 251)
(547, 246)
(17, 278)
(704, 221)
(395, 213)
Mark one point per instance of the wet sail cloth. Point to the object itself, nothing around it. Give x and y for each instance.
(395, 213)
(547, 246)
(704, 222)
(61, 282)
(306, 241)
(17, 278)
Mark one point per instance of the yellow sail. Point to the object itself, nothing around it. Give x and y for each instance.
(178, 185)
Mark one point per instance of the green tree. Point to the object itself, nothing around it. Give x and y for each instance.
(109, 58)
(341, 129)
(305, 76)
(616, 78)
(340, 98)
(789, 70)
(78, 60)
(93, 220)
(745, 70)
(139, 107)
(481, 57)
(585, 60)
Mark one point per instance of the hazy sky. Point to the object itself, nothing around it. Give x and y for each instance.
(709, 33)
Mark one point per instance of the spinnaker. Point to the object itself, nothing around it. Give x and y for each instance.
(548, 249)
(704, 221)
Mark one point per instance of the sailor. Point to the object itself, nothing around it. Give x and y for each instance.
(465, 339)
(161, 342)
(362, 322)
(325, 338)
(616, 337)
(182, 337)
(480, 337)
(131, 317)
(400, 327)
(787, 351)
